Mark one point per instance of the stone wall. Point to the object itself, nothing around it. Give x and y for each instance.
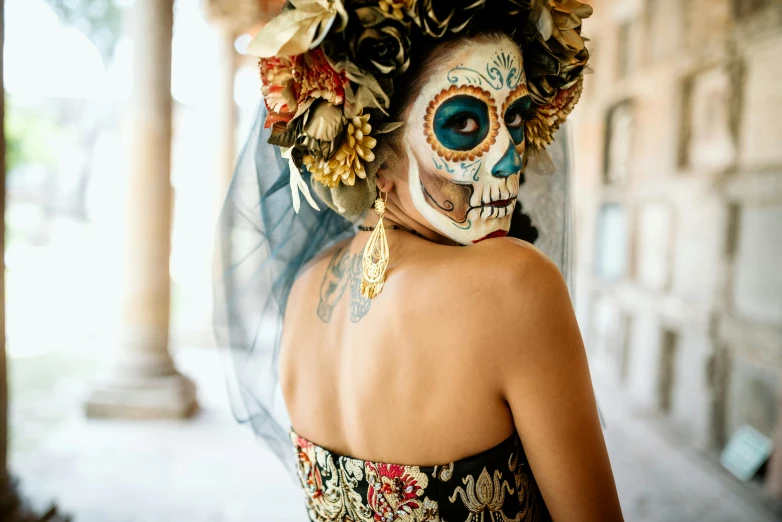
(679, 212)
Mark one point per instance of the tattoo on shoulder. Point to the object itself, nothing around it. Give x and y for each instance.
(333, 285)
(359, 305)
(342, 271)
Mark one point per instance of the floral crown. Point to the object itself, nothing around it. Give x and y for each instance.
(328, 69)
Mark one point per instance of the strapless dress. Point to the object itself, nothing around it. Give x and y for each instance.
(494, 486)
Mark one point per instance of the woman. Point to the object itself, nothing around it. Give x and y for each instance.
(429, 359)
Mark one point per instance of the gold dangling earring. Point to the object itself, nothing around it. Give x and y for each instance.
(375, 259)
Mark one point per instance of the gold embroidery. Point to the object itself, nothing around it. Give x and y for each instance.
(443, 473)
(431, 511)
(484, 495)
(526, 488)
(333, 499)
(342, 489)
(395, 493)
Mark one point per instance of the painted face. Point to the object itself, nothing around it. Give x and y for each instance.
(465, 141)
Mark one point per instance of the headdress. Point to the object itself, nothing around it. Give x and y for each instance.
(331, 71)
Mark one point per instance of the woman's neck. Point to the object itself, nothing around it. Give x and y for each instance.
(394, 217)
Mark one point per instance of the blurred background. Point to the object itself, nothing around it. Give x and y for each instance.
(116, 405)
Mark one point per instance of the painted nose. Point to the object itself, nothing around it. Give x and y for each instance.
(509, 165)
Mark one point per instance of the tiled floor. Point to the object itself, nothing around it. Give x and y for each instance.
(209, 469)
(658, 481)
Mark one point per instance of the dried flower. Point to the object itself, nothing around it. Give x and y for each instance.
(516, 7)
(566, 16)
(555, 59)
(290, 84)
(321, 170)
(346, 163)
(541, 129)
(279, 89)
(397, 9)
(299, 28)
(323, 127)
(316, 78)
(383, 46)
(437, 17)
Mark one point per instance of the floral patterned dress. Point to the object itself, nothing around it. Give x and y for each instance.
(494, 486)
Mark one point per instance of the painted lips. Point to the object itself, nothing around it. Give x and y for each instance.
(502, 203)
(496, 233)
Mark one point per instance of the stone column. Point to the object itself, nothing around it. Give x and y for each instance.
(144, 382)
(225, 116)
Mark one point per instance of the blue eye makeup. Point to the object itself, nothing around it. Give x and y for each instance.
(517, 110)
(461, 123)
(515, 115)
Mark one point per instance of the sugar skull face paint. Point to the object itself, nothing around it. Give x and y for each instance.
(465, 141)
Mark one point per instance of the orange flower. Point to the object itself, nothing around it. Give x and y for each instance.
(316, 78)
(288, 83)
(279, 89)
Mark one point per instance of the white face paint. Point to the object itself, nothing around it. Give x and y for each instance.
(465, 141)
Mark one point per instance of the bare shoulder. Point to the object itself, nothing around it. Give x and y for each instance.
(512, 258)
(495, 282)
(500, 306)
(497, 271)
(529, 278)
(521, 317)
(528, 287)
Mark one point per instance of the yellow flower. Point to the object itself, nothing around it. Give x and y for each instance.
(346, 163)
(321, 170)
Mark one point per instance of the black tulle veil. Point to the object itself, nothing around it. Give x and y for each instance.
(263, 244)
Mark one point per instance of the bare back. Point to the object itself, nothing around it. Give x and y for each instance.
(464, 346)
(404, 378)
